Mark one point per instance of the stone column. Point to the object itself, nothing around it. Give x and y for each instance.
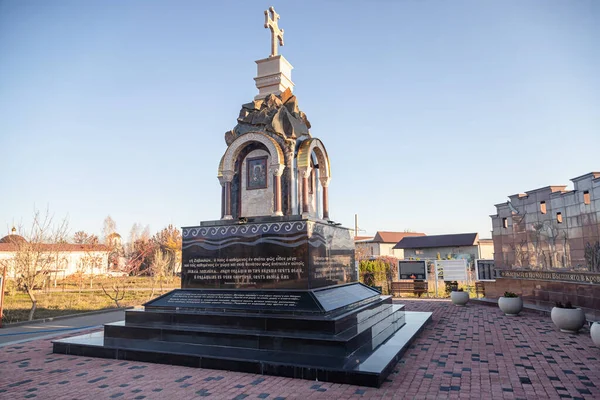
(222, 182)
(325, 185)
(227, 178)
(277, 170)
(305, 174)
(289, 163)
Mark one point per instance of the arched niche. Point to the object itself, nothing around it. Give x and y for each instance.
(239, 198)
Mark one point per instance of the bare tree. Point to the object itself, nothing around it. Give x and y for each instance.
(38, 254)
(592, 256)
(109, 228)
(134, 235)
(159, 267)
(117, 291)
(82, 237)
(521, 253)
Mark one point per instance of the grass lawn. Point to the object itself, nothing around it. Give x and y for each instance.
(57, 303)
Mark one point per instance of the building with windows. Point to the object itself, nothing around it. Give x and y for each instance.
(466, 246)
(382, 244)
(550, 228)
(57, 260)
(547, 246)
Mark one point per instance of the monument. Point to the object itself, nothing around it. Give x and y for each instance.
(271, 287)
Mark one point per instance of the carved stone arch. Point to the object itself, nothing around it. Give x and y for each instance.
(305, 151)
(304, 154)
(274, 149)
(227, 167)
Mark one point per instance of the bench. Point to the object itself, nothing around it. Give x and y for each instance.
(479, 289)
(417, 288)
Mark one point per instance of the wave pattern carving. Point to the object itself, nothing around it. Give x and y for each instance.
(243, 230)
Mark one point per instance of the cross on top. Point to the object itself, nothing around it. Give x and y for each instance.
(271, 18)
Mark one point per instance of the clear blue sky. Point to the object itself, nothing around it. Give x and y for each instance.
(431, 111)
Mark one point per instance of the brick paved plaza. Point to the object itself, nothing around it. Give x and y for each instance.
(472, 352)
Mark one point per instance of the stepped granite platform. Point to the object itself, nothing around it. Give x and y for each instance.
(357, 345)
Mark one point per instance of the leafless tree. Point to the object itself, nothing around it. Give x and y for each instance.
(109, 228)
(38, 254)
(159, 267)
(116, 291)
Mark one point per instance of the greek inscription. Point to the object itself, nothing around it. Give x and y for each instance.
(235, 299)
(236, 270)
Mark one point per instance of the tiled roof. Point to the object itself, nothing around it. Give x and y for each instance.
(56, 247)
(454, 240)
(358, 238)
(393, 237)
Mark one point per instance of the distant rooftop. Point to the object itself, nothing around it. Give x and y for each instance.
(393, 237)
(453, 240)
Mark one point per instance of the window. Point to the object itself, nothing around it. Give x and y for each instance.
(586, 197)
(559, 218)
(543, 207)
(505, 222)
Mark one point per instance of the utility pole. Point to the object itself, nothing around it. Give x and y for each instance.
(2, 294)
(355, 225)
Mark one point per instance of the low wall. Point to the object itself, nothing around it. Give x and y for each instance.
(545, 293)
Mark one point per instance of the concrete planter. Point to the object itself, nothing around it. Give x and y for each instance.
(595, 333)
(569, 320)
(511, 306)
(459, 298)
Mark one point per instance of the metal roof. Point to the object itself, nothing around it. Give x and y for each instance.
(453, 240)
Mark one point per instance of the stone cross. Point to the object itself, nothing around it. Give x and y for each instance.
(276, 33)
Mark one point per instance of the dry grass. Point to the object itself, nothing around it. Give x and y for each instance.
(75, 282)
(54, 304)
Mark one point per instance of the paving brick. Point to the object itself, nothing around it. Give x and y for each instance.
(462, 353)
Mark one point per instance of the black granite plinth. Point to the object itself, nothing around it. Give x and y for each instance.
(268, 252)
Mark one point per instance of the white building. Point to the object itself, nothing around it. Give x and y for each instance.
(382, 244)
(60, 260)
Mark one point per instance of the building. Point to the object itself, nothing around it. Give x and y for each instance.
(60, 260)
(547, 246)
(382, 244)
(455, 246)
(550, 228)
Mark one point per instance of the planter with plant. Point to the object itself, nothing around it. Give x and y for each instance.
(568, 318)
(510, 304)
(459, 297)
(595, 333)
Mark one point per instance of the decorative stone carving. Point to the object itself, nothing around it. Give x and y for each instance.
(277, 169)
(227, 176)
(325, 181)
(229, 137)
(305, 172)
(279, 115)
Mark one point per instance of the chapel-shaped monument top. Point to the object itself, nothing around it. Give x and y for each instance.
(272, 165)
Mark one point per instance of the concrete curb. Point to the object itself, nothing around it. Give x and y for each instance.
(40, 321)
